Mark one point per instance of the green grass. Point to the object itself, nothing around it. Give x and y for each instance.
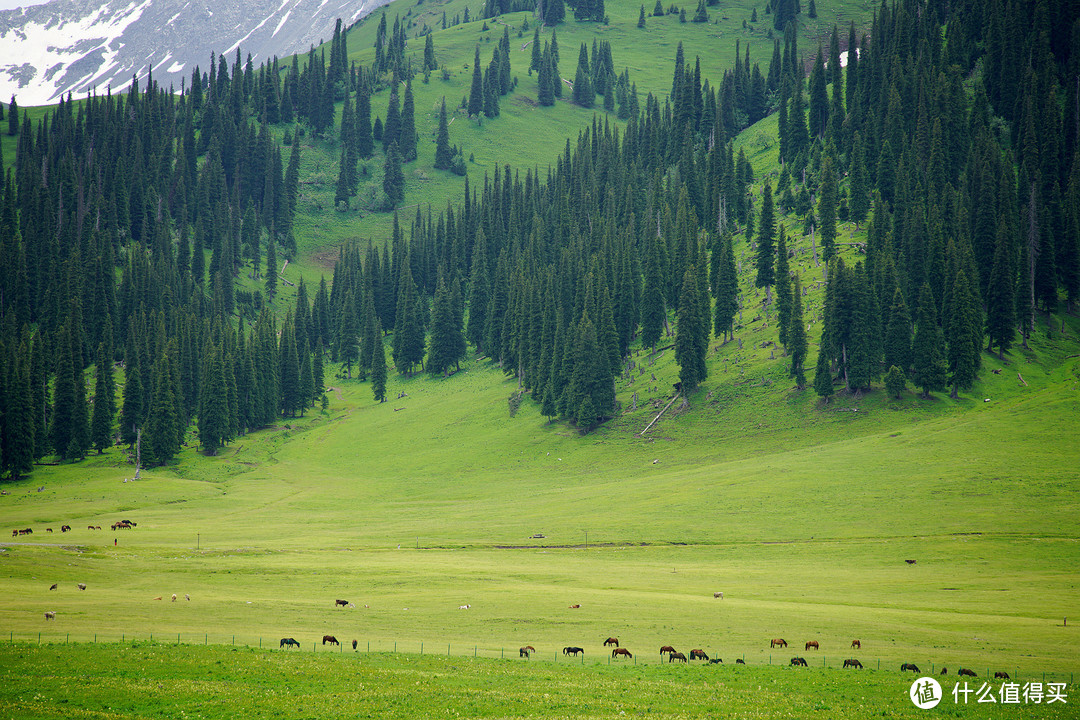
(140, 680)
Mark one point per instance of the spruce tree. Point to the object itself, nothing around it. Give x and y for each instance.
(378, 366)
(827, 208)
(858, 183)
(1000, 296)
(898, 334)
(766, 272)
(691, 342)
(796, 335)
(347, 335)
(476, 91)
(928, 347)
(365, 142)
(391, 129)
(271, 269)
(445, 334)
(161, 435)
(823, 381)
(652, 299)
(783, 289)
(393, 178)
(545, 94)
(407, 133)
(213, 407)
(641, 17)
(443, 153)
(554, 12)
(962, 326)
(307, 378)
(104, 402)
(895, 382)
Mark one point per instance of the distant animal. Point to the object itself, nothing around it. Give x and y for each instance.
(575, 607)
(856, 644)
(666, 649)
(944, 671)
(852, 662)
(464, 607)
(524, 651)
(50, 615)
(676, 656)
(65, 528)
(716, 661)
(798, 662)
(158, 597)
(740, 661)
(14, 533)
(718, 595)
(1002, 675)
(48, 529)
(82, 586)
(811, 644)
(330, 639)
(89, 527)
(909, 666)
(778, 642)
(911, 562)
(354, 645)
(187, 597)
(174, 597)
(621, 652)
(571, 650)
(288, 642)
(964, 671)
(611, 641)
(698, 654)
(342, 603)
(53, 586)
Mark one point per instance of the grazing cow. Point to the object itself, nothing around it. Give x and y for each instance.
(798, 662)
(330, 639)
(612, 641)
(740, 661)
(354, 645)
(852, 662)
(82, 586)
(53, 586)
(716, 661)
(464, 607)
(719, 595)
(676, 656)
(50, 615)
(1001, 675)
(910, 666)
(575, 607)
(964, 671)
(856, 644)
(524, 651)
(666, 649)
(698, 654)
(288, 643)
(621, 652)
(911, 562)
(571, 650)
(341, 603)
(778, 642)
(811, 644)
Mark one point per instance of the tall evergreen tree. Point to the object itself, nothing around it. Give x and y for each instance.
(964, 335)
(928, 347)
(766, 251)
(898, 334)
(213, 405)
(393, 178)
(783, 289)
(443, 153)
(691, 338)
(378, 366)
(476, 91)
(104, 402)
(407, 133)
(796, 335)
(827, 208)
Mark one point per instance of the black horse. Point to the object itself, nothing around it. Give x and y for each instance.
(571, 650)
(286, 642)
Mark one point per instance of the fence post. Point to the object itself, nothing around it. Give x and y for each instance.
(502, 653)
(369, 646)
(395, 646)
(39, 638)
(879, 664)
(206, 638)
(421, 647)
(178, 640)
(474, 651)
(931, 668)
(447, 649)
(151, 637)
(68, 639)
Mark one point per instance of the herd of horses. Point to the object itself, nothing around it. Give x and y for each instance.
(118, 525)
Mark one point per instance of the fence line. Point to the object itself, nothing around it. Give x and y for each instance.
(417, 646)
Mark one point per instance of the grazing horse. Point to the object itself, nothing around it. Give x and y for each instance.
(798, 662)
(53, 586)
(1002, 675)
(611, 641)
(621, 652)
(740, 661)
(811, 644)
(676, 656)
(575, 607)
(571, 650)
(330, 639)
(354, 645)
(341, 603)
(65, 528)
(666, 649)
(856, 644)
(288, 642)
(716, 661)
(698, 654)
(911, 562)
(778, 642)
(910, 666)
(964, 671)
(82, 586)
(50, 615)
(852, 662)
(524, 652)
(48, 529)
(944, 670)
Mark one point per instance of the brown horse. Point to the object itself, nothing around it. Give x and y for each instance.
(740, 661)
(778, 642)
(964, 671)
(856, 644)
(354, 645)
(676, 656)
(341, 603)
(524, 652)
(621, 652)
(289, 642)
(909, 666)
(698, 654)
(1002, 675)
(811, 644)
(611, 641)
(666, 649)
(330, 639)
(571, 650)
(944, 671)
(852, 662)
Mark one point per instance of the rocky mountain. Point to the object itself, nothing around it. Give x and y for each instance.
(81, 45)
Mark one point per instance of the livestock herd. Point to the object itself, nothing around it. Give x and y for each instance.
(118, 525)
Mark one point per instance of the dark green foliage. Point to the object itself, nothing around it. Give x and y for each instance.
(827, 208)
(378, 366)
(641, 17)
(823, 381)
(766, 250)
(101, 422)
(783, 289)
(895, 382)
(161, 436)
(726, 287)
(213, 407)
(653, 311)
(554, 12)
(407, 132)
(443, 153)
(796, 335)
(476, 91)
(447, 345)
(701, 15)
(691, 336)
(964, 330)
(928, 347)
(1000, 297)
(393, 178)
(898, 334)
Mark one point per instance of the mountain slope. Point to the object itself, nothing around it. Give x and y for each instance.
(77, 45)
